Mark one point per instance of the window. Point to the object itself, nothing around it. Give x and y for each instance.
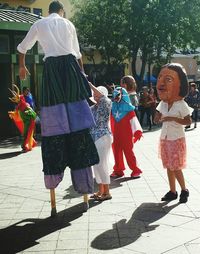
(4, 44)
(37, 11)
(23, 8)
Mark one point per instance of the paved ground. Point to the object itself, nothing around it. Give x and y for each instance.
(134, 221)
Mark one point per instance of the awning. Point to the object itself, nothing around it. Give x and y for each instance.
(17, 20)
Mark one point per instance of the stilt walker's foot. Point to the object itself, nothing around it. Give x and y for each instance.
(85, 206)
(117, 174)
(53, 203)
(85, 203)
(53, 212)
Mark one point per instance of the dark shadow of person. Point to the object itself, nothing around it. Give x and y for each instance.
(4, 156)
(24, 234)
(71, 193)
(126, 232)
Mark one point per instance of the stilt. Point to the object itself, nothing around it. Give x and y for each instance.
(85, 204)
(53, 203)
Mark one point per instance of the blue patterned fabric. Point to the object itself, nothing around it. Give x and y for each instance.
(101, 114)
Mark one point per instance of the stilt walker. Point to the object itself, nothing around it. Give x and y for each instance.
(65, 114)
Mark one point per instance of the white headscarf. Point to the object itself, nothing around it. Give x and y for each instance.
(103, 90)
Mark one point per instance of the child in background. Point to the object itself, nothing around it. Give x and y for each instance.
(102, 137)
(28, 97)
(128, 82)
(193, 100)
(174, 113)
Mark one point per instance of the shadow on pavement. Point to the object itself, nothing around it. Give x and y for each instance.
(25, 233)
(130, 231)
(71, 193)
(9, 155)
(10, 142)
(117, 182)
(15, 142)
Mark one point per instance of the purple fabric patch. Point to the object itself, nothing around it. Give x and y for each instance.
(82, 180)
(65, 118)
(54, 120)
(80, 116)
(52, 181)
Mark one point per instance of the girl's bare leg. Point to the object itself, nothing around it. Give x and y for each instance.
(172, 180)
(101, 189)
(106, 189)
(180, 178)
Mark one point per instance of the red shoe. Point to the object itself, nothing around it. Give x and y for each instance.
(117, 174)
(136, 173)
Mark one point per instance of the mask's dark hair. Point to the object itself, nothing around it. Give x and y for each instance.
(55, 7)
(180, 70)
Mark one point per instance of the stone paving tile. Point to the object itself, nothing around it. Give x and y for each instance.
(79, 251)
(193, 246)
(72, 244)
(73, 234)
(114, 251)
(161, 239)
(178, 250)
(35, 252)
(134, 221)
(43, 246)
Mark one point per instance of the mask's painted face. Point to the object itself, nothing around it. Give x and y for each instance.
(117, 95)
(168, 85)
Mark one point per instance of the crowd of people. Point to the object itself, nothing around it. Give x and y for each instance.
(80, 136)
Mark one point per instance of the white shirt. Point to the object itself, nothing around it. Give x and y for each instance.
(56, 35)
(172, 130)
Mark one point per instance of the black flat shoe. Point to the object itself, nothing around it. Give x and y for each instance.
(184, 196)
(170, 196)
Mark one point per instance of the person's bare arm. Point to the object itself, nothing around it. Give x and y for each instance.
(23, 71)
(157, 117)
(184, 121)
(95, 90)
(80, 61)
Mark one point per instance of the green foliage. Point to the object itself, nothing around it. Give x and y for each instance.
(128, 28)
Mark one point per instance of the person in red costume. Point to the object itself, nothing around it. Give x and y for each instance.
(24, 118)
(126, 131)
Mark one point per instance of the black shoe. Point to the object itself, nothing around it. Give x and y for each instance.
(187, 127)
(184, 196)
(169, 196)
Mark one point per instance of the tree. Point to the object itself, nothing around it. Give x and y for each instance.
(151, 29)
(101, 24)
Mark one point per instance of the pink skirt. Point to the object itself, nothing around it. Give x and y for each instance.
(173, 153)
